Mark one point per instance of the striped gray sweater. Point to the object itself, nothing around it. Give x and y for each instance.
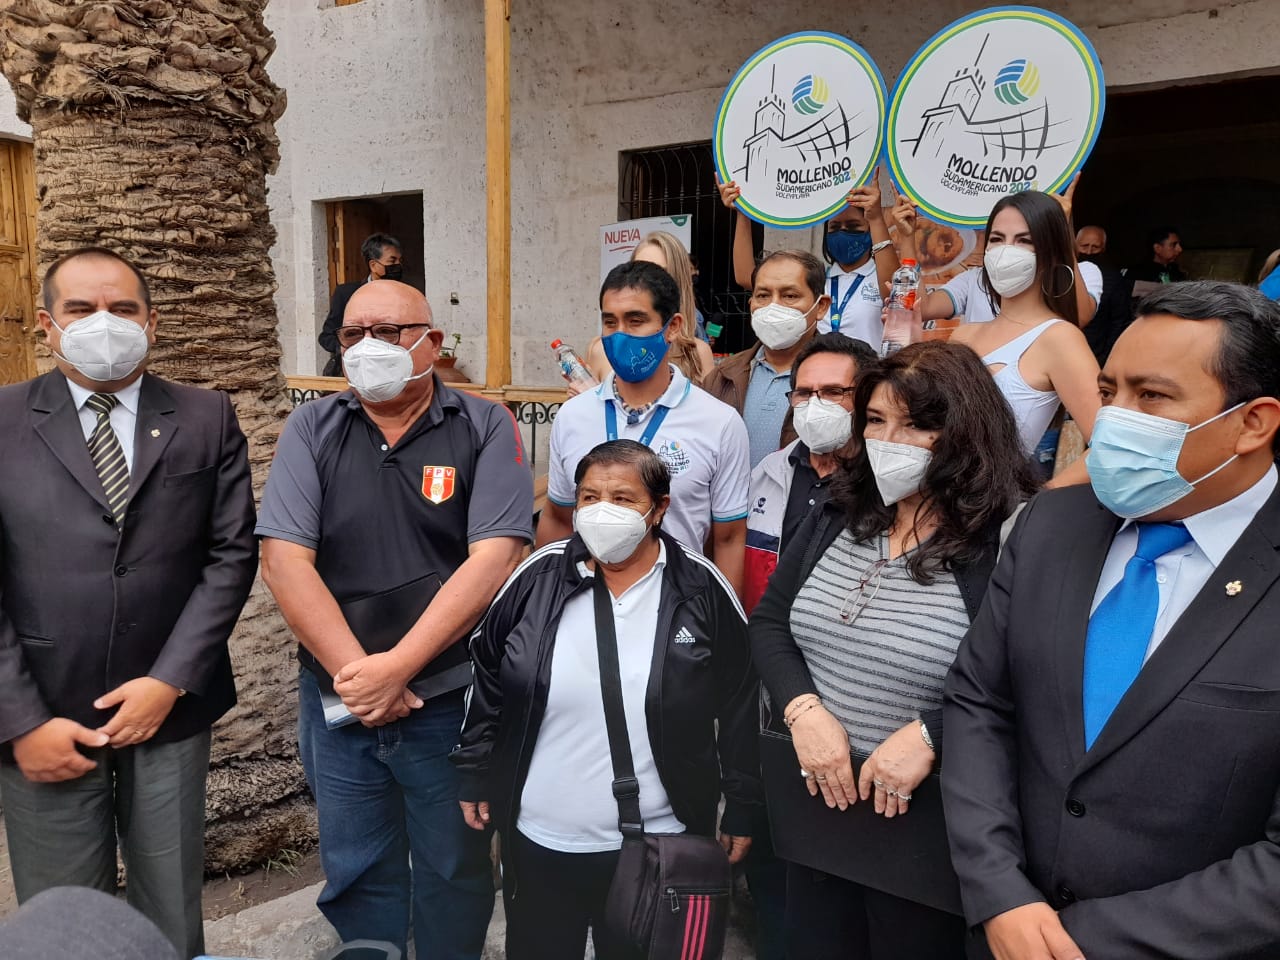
(884, 662)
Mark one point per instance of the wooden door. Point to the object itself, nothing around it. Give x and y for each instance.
(17, 262)
(349, 222)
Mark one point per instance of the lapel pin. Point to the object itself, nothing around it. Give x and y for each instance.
(155, 433)
(1234, 588)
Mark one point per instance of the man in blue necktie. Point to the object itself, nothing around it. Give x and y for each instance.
(1112, 768)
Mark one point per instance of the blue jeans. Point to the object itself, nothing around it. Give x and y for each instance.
(391, 831)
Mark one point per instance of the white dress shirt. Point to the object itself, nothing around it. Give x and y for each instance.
(1181, 573)
(124, 415)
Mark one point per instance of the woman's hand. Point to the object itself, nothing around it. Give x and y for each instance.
(903, 217)
(476, 815)
(822, 747)
(729, 192)
(895, 769)
(1066, 199)
(867, 197)
(735, 847)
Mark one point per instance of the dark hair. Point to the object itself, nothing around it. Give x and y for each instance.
(815, 274)
(653, 472)
(376, 243)
(1159, 235)
(979, 472)
(1247, 364)
(1055, 248)
(648, 277)
(858, 351)
(101, 253)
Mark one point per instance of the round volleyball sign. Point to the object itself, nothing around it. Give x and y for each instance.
(799, 126)
(1004, 100)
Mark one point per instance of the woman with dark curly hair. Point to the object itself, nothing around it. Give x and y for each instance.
(861, 620)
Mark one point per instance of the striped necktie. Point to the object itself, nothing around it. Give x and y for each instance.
(108, 455)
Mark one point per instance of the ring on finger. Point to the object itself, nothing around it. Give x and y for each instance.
(806, 774)
(879, 784)
(904, 797)
(821, 779)
(892, 792)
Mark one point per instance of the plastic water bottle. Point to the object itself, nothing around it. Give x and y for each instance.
(571, 366)
(900, 325)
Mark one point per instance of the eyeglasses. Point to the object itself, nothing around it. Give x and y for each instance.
(864, 590)
(386, 332)
(830, 394)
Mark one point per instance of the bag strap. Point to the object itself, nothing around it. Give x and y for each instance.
(626, 788)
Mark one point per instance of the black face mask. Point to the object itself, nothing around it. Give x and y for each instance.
(1087, 257)
(393, 271)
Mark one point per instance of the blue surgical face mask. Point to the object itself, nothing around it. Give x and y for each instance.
(1133, 461)
(635, 358)
(846, 247)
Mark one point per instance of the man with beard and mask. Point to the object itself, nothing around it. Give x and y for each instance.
(384, 255)
(393, 513)
(702, 441)
(787, 303)
(1112, 768)
(1115, 311)
(126, 528)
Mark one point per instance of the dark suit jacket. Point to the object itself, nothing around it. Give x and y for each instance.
(1163, 840)
(85, 607)
(328, 338)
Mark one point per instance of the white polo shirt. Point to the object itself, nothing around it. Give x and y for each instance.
(860, 316)
(567, 803)
(702, 441)
(970, 301)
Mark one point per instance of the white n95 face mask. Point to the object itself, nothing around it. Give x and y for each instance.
(1010, 268)
(102, 346)
(899, 468)
(822, 425)
(378, 370)
(779, 327)
(611, 533)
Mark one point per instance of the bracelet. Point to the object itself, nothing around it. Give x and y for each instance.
(882, 245)
(800, 702)
(924, 735)
(790, 722)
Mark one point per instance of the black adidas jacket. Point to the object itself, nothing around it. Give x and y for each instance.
(691, 687)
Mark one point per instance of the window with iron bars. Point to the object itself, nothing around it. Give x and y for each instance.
(682, 179)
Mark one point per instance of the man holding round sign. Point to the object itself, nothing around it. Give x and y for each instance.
(1001, 101)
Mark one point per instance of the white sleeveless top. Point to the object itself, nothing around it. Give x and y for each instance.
(1033, 409)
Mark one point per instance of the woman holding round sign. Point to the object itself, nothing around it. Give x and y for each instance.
(1004, 105)
(798, 133)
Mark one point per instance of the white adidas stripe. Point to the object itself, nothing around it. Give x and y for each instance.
(724, 583)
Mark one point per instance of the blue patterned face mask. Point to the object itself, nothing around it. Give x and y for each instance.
(846, 247)
(635, 358)
(1133, 461)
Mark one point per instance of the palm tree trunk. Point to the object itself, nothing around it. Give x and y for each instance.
(154, 130)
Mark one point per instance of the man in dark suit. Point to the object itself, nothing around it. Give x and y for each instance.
(1112, 768)
(1115, 306)
(384, 255)
(126, 554)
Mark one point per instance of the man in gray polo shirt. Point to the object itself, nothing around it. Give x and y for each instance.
(393, 513)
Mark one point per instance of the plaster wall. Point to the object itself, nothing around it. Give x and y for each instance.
(385, 97)
(11, 128)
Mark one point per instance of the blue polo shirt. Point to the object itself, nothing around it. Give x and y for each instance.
(765, 407)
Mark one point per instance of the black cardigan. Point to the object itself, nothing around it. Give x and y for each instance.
(778, 659)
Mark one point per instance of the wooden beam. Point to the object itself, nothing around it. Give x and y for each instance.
(497, 85)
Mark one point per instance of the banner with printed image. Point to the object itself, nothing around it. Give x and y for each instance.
(799, 126)
(1001, 101)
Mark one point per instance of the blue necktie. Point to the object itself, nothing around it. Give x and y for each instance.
(1121, 627)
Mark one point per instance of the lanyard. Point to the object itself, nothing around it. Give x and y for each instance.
(838, 312)
(611, 423)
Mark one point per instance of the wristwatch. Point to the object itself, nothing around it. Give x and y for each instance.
(877, 247)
